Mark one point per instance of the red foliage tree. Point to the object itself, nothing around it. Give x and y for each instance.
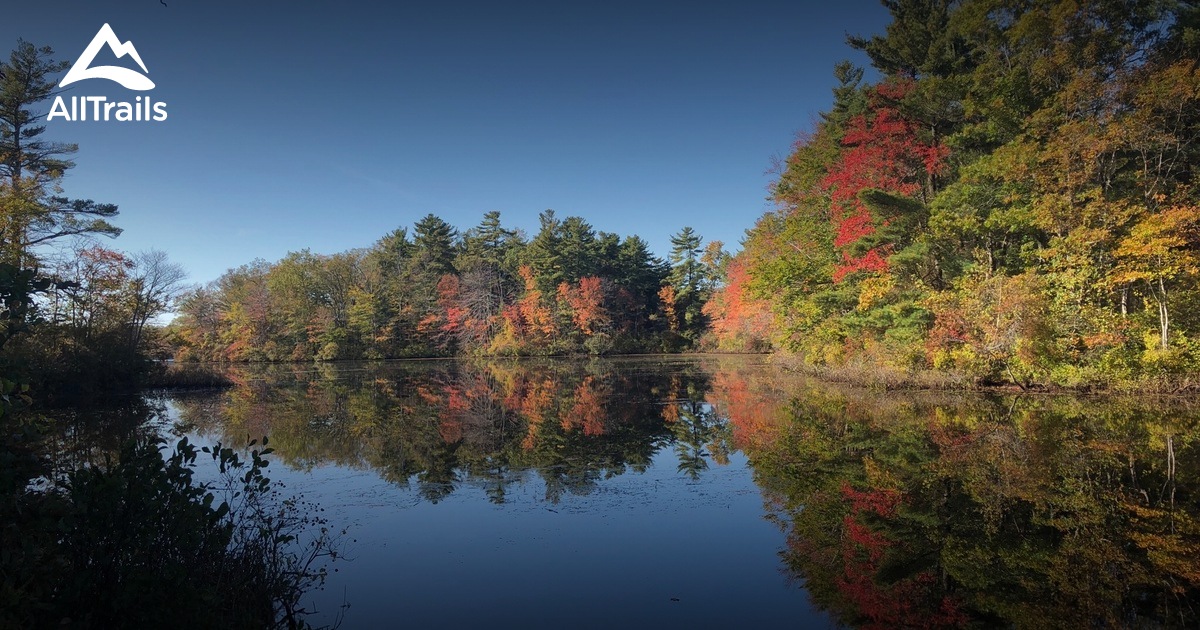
(587, 303)
(739, 320)
(884, 149)
(536, 319)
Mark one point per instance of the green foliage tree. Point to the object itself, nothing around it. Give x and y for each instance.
(489, 243)
(434, 243)
(689, 278)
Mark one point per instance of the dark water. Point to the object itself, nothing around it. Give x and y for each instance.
(722, 492)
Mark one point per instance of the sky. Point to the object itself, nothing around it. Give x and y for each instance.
(325, 125)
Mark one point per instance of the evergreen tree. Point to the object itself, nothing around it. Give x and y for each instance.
(544, 253)
(434, 246)
(687, 278)
(488, 243)
(579, 255)
(32, 213)
(392, 253)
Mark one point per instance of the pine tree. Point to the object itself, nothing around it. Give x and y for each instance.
(687, 278)
(489, 243)
(434, 242)
(31, 168)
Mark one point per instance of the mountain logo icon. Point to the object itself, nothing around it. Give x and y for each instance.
(83, 68)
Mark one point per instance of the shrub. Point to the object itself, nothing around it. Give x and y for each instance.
(140, 543)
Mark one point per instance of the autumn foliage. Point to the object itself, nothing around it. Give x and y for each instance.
(1013, 201)
(487, 291)
(882, 150)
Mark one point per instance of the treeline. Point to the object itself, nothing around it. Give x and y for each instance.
(488, 290)
(1013, 201)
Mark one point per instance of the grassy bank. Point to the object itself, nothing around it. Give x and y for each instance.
(888, 377)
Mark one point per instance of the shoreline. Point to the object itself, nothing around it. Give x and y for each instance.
(890, 379)
(859, 375)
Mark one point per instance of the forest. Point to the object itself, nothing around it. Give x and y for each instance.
(1013, 200)
(487, 290)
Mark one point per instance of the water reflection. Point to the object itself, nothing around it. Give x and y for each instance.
(95, 435)
(897, 509)
(439, 425)
(1027, 512)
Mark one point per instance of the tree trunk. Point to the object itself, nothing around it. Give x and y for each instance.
(1164, 318)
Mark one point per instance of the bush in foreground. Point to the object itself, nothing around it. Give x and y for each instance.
(140, 543)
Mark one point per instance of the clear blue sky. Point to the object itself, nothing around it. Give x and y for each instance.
(325, 125)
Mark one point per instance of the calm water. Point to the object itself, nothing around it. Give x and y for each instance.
(715, 492)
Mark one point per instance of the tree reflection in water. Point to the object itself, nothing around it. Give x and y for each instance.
(899, 509)
(936, 511)
(439, 425)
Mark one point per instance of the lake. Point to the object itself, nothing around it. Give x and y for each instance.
(713, 491)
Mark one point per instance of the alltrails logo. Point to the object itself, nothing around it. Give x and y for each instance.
(99, 107)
